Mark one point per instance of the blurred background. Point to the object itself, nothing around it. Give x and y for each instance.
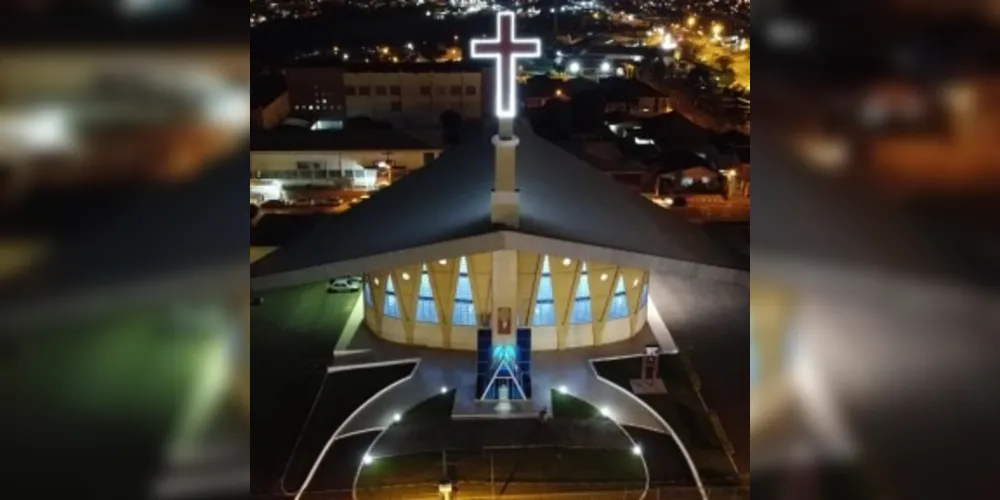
(123, 291)
(877, 250)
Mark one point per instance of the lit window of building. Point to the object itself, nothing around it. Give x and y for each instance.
(545, 305)
(582, 311)
(619, 302)
(465, 307)
(391, 301)
(426, 307)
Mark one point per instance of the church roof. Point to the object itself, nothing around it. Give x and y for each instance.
(562, 198)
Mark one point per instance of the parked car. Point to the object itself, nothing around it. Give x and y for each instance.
(344, 285)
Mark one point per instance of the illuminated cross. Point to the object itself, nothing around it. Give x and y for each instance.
(506, 49)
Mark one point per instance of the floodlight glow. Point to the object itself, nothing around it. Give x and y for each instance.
(574, 68)
(563, 389)
(606, 412)
(368, 459)
(669, 43)
(397, 418)
(506, 49)
(444, 390)
(637, 450)
(605, 67)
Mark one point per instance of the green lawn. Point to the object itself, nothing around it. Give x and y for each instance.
(292, 338)
(683, 410)
(432, 411)
(565, 406)
(112, 393)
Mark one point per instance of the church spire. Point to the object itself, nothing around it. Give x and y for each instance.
(506, 49)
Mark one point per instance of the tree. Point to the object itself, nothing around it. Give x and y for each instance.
(451, 126)
(554, 120)
(724, 63)
(699, 77)
(588, 111)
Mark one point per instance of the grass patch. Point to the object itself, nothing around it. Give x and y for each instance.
(433, 410)
(343, 392)
(565, 406)
(683, 410)
(293, 334)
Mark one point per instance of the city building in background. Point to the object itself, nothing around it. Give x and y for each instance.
(407, 95)
(350, 160)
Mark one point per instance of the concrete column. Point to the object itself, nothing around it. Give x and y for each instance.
(504, 295)
(505, 202)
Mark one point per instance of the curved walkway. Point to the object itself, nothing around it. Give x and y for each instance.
(439, 370)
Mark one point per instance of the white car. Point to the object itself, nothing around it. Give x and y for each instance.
(344, 285)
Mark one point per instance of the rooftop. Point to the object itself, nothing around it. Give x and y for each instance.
(404, 67)
(295, 139)
(275, 230)
(562, 198)
(265, 89)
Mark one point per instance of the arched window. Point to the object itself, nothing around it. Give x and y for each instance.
(465, 306)
(619, 302)
(391, 302)
(582, 310)
(645, 295)
(426, 307)
(545, 304)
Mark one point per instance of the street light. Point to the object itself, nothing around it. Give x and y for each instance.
(692, 21)
(717, 30)
(605, 67)
(574, 68)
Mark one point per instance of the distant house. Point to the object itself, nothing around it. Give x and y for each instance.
(634, 97)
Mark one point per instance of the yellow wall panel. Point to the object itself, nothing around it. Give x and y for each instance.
(444, 281)
(406, 293)
(481, 276)
(633, 287)
(602, 283)
(564, 280)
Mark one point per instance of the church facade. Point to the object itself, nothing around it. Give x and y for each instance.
(567, 303)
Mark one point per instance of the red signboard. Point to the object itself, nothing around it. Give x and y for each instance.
(504, 319)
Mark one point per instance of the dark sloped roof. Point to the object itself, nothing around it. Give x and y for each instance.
(295, 139)
(265, 89)
(275, 230)
(626, 89)
(561, 197)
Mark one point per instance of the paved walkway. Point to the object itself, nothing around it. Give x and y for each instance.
(697, 305)
(456, 370)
